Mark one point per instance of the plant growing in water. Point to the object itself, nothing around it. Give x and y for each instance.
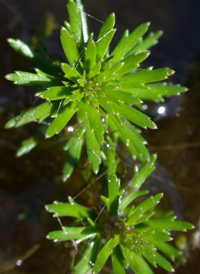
(100, 94)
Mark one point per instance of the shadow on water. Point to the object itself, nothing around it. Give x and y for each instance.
(30, 182)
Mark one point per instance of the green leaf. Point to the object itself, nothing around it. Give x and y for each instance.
(128, 42)
(95, 72)
(105, 36)
(40, 113)
(104, 253)
(71, 72)
(117, 261)
(157, 259)
(113, 195)
(109, 73)
(74, 233)
(76, 95)
(70, 46)
(145, 76)
(149, 203)
(137, 263)
(26, 146)
(63, 117)
(132, 62)
(135, 144)
(155, 92)
(39, 58)
(81, 110)
(157, 236)
(119, 96)
(71, 210)
(21, 48)
(119, 132)
(38, 79)
(55, 93)
(103, 43)
(88, 258)
(128, 198)
(84, 20)
(110, 162)
(148, 42)
(135, 217)
(75, 20)
(93, 149)
(127, 112)
(74, 153)
(142, 208)
(169, 250)
(96, 123)
(90, 55)
(169, 224)
(139, 178)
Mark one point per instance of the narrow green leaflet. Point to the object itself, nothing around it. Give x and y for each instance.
(55, 93)
(63, 117)
(119, 132)
(128, 112)
(157, 259)
(96, 123)
(93, 149)
(146, 76)
(149, 203)
(132, 62)
(90, 55)
(142, 208)
(146, 43)
(103, 43)
(73, 156)
(39, 58)
(89, 257)
(108, 74)
(74, 233)
(71, 72)
(71, 210)
(70, 46)
(75, 21)
(104, 253)
(169, 250)
(128, 42)
(76, 95)
(26, 146)
(128, 198)
(105, 36)
(39, 113)
(84, 21)
(143, 173)
(44, 110)
(155, 92)
(21, 48)
(137, 263)
(93, 73)
(38, 79)
(169, 224)
(114, 94)
(117, 261)
(113, 195)
(110, 162)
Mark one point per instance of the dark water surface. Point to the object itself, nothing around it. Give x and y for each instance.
(30, 182)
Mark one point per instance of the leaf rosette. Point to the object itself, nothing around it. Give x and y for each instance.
(98, 90)
(128, 232)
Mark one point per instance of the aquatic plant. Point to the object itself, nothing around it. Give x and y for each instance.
(99, 95)
(131, 235)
